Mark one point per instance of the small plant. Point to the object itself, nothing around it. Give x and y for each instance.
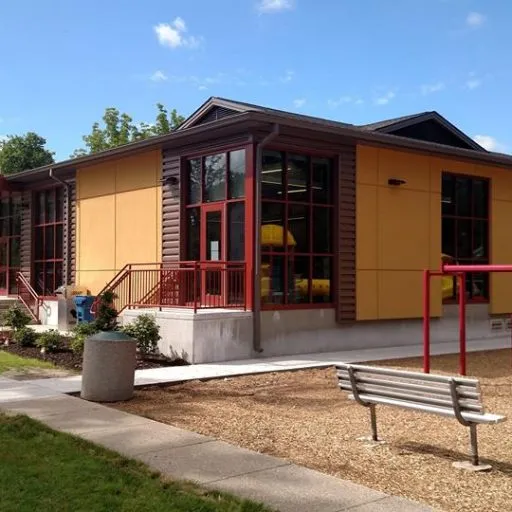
(147, 333)
(49, 341)
(80, 333)
(106, 316)
(25, 337)
(16, 317)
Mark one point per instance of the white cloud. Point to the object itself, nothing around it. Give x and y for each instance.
(173, 35)
(202, 88)
(490, 143)
(158, 76)
(431, 88)
(288, 76)
(385, 99)
(475, 19)
(340, 101)
(473, 83)
(299, 102)
(269, 6)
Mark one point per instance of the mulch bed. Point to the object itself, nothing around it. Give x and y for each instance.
(302, 416)
(66, 358)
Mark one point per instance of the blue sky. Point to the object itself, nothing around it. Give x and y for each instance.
(64, 61)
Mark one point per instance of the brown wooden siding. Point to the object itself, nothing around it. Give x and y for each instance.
(69, 235)
(26, 234)
(170, 207)
(346, 250)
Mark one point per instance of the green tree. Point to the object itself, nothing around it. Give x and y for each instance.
(22, 152)
(119, 128)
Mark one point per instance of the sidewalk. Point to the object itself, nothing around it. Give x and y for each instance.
(185, 455)
(276, 364)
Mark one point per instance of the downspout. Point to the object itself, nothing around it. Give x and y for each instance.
(256, 341)
(52, 176)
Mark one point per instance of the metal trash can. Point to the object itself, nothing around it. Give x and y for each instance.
(66, 308)
(108, 368)
(83, 308)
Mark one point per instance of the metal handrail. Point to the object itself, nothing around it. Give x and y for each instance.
(22, 281)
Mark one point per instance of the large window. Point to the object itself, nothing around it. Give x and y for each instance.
(10, 236)
(465, 228)
(48, 240)
(216, 181)
(296, 231)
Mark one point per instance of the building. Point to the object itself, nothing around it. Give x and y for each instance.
(250, 230)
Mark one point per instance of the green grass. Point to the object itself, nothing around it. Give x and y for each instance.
(43, 470)
(13, 362)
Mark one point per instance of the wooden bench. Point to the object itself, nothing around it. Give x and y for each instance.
(454, 397)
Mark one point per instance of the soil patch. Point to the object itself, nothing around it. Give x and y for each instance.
(303, 417)
(66, 358)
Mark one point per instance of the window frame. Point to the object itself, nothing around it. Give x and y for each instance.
(37, 224)
(473, 220)
(290, 255)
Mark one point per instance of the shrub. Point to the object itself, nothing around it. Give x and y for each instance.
(146, 331)
(16, 317)
(49, 341)
(106, 316)
(25, 337)
(80, 333)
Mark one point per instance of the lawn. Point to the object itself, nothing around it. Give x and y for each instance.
(44, 470)
(303, 417)
(15, 363)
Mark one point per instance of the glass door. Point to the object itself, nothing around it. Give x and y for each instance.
(212, 254)
(10, 236)
(4, 268)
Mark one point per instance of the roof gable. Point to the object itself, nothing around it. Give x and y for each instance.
(426, 126)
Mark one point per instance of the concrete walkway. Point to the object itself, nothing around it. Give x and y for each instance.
(276, 364)
(185, 455)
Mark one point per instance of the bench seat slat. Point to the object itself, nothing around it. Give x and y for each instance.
(468, 416)
(391, 372)
(413, 397)
(434, 388)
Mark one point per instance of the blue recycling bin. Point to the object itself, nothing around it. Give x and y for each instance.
(83, 305)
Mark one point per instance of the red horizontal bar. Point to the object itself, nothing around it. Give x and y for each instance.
(477, 268)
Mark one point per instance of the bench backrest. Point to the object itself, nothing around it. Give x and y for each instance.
(412, 388)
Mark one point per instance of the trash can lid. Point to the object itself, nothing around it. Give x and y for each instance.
(111, 336)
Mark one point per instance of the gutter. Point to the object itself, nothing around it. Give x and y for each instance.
(52, 176)
(256, 340)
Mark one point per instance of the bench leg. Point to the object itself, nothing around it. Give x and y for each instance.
(373, 419)
(474, 445)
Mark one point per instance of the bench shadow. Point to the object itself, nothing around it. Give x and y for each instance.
(453, 455)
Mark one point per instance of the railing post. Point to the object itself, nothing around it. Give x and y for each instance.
(195, 286)
(129, 289)
(160, 285)
(426, 321)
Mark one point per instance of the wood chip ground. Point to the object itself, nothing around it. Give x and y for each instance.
(303, 417)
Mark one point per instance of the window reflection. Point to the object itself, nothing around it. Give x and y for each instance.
(296, 229)
(465, 231)
(215, 177)
(237, 174)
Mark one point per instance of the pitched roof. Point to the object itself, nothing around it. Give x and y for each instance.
(392, 126)
(240, 107)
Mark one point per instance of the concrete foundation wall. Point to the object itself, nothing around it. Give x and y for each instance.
(203, 337)
(303, 331)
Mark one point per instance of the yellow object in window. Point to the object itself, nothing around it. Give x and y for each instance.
(272, 236)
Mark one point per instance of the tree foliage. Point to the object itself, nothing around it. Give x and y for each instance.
(119, 128)
(21, 152)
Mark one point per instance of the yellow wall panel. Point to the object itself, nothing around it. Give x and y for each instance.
(136, 234)
(403, 229)
(119, 221)
(501, 181)
(139, 171)
(367, 295)
(366, 227)
(95, 280)
(411, 167)
(367, 159)
(399, 294)
(435, 231)
(455, 166)
(97, 233)
(97, 180)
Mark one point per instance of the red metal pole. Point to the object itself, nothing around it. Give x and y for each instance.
(477, 268)
(462, 323)
(426, 321)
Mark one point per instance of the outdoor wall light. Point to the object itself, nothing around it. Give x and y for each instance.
(396, 182)
(170, 180)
